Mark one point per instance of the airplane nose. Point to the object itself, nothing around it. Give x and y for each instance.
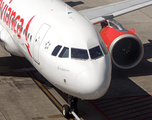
(93, 83)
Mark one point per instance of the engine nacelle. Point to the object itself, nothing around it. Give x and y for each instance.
(124, 46)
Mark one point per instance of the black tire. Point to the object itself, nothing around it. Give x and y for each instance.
(65, 111)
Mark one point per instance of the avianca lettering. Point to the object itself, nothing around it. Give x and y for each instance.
(9, 16)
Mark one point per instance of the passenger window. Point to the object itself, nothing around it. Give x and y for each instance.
(56, 50)
(30, 37)
(95, 52)
(79, 53)
(24, 32)
(64, 53)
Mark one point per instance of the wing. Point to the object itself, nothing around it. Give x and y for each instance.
(99, 14)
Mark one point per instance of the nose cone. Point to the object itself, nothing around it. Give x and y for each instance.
(94, 83)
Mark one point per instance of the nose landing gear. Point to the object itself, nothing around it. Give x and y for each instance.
(66, 111)
(71, 108)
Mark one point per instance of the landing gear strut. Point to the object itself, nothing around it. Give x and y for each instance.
(71, 108)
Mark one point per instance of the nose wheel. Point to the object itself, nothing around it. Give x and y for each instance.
(71, 108)
(66, 111)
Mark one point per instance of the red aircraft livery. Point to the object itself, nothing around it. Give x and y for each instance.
(9, 16)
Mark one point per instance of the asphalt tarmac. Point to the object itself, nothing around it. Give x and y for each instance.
(129, 95)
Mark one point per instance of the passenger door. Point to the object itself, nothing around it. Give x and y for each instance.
(38, 40)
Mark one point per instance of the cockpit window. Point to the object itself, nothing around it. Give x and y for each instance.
(56, 50)
(104, 48)
(95, 52)
(64, 53)
(79, 53)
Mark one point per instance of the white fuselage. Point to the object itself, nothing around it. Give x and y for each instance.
(60, 43)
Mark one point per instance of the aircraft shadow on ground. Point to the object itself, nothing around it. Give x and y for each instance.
(125, 99)
(72, 4)
(10, 67)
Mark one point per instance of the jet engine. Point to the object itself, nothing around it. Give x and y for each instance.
(124, 46)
